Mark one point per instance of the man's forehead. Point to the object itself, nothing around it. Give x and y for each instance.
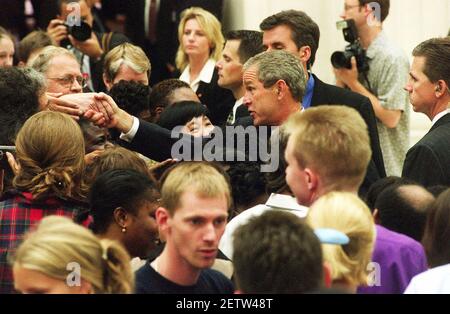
(251, 74)
(276, 33)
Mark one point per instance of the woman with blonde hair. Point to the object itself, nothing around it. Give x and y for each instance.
(201, 43)
(6, 48)
(48, 181)
(345, 212)
(63, 257)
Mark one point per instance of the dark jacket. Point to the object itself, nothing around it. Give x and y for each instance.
(428, 162)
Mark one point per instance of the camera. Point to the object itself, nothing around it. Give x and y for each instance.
(3, 159)
(342, 59)
(80, 32)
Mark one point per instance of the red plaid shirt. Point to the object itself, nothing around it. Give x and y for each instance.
(18, 213)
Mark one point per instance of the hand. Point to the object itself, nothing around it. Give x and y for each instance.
(114, 116)
(15, 167)
(346, 76)
(57, 31)
(90, 47)
(61, 103)
(84, 101)
(158, 169)
(92, 156)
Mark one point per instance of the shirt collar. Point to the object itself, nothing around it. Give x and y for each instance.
(309, 91)
(439, 115)
(206, 73)
(286, 202)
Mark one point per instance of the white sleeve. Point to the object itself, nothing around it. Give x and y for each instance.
(128, 137)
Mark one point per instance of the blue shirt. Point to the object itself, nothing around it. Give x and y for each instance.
(307, 98)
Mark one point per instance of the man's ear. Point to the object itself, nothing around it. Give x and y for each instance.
(304, 54)
(441, 89)
(107, 82)
(162, 219)
(280, 88)
(312, 179)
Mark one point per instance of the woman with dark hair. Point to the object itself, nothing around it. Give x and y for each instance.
(123, 204)
(436, 238)
(193, 116)
(48, 181)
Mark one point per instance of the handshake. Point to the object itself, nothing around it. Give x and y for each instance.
(99, 108)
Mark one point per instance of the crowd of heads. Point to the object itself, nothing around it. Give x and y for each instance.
(128, 210)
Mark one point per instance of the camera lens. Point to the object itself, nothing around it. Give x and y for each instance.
(341, 59)
(81, 32)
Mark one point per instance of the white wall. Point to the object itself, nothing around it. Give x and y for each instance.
(409, 23)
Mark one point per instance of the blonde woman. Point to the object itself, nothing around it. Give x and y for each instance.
(48, 181)
(345, 212)
(6, 48)
(63, 257)
(201, 43)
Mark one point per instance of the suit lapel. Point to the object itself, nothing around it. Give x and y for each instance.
(319, 96)
(444, 120)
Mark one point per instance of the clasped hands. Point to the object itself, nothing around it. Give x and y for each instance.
(99, 108)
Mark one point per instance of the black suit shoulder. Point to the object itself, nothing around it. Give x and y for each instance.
(219, 100)
(427, 162)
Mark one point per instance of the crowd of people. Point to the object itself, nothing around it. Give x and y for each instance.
(285, 184)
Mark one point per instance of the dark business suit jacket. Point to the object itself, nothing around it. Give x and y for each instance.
(326, 94)
(428, 162)
(219, 100)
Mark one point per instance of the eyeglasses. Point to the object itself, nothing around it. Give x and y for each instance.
(348, 7)
(68, 81)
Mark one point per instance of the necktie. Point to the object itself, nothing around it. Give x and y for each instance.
(152, 21)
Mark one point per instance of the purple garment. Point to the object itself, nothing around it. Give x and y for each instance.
(400, 258)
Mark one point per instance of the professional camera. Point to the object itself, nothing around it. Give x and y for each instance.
(342, 59)
(80, 32)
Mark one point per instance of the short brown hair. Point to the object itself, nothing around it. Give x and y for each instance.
(304, 31)
(436, 52)
(201, 178)
(32, 42)
(384, 7)
(334, 141)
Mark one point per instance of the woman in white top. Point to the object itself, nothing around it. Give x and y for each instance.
(201, 43)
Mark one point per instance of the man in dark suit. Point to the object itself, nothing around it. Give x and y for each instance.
(161, 47)
(428, 162)
(296, 32)
(269, 102)
(240, 46)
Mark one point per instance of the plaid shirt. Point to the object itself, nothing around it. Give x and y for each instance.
(18, 213)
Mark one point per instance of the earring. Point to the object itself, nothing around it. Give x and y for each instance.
(124, 229)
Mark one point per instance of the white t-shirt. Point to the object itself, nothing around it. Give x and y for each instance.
(275, 202)
(433, 281)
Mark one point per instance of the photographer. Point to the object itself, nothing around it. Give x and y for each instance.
(89, 47)
(383, 82)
